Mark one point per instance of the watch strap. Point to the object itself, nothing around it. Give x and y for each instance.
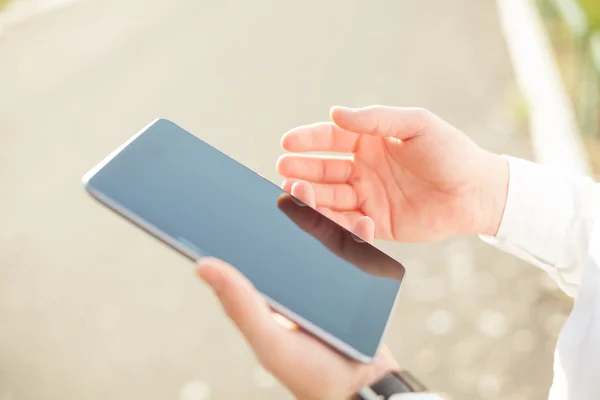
(393, 383)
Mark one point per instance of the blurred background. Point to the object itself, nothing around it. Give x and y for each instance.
(574, 29)
(90, 308)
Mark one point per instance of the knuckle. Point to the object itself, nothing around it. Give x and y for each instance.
(375, 115)
(325, 170)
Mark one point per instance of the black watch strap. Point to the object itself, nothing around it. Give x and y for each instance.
(391, 384)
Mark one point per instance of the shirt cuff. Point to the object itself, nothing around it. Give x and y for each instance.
(538, 212)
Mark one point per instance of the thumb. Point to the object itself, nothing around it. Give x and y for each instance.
(244, 305)
(398, 122)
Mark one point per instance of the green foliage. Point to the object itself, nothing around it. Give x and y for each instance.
(3, 3)
(592, 9)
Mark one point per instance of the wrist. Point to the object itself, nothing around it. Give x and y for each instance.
(494, 192)
(383, 364)
(368, 380)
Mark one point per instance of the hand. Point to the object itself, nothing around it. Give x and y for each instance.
(415, 176)
(306, 366)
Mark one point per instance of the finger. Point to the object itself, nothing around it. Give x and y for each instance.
(347, 220)
(287, 184)
(315, 169)
(304, 192)
(329, 213)
(398, 122)
(350, 219)
(322, 136)
(364, 229)
(337, 196)
(242, 303)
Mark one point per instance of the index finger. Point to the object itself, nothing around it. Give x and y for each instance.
(322, 136)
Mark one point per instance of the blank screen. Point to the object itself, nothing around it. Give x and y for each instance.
(198, 196)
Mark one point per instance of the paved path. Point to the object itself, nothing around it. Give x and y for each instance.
(92, 309)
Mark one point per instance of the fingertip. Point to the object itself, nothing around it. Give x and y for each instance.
(201, 265)
(204, 272)
(210, 270)
(364, 229)
(304, 192)
(288, 165)
(280, 165)
(337, 110)
(212, 264)
(337, 113)
(207, 261)
(346, 118)
(285, 141)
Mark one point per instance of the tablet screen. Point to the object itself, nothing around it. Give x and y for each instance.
(197, 196)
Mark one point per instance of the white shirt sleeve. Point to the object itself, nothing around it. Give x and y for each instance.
(552, 220)
(548, 220)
